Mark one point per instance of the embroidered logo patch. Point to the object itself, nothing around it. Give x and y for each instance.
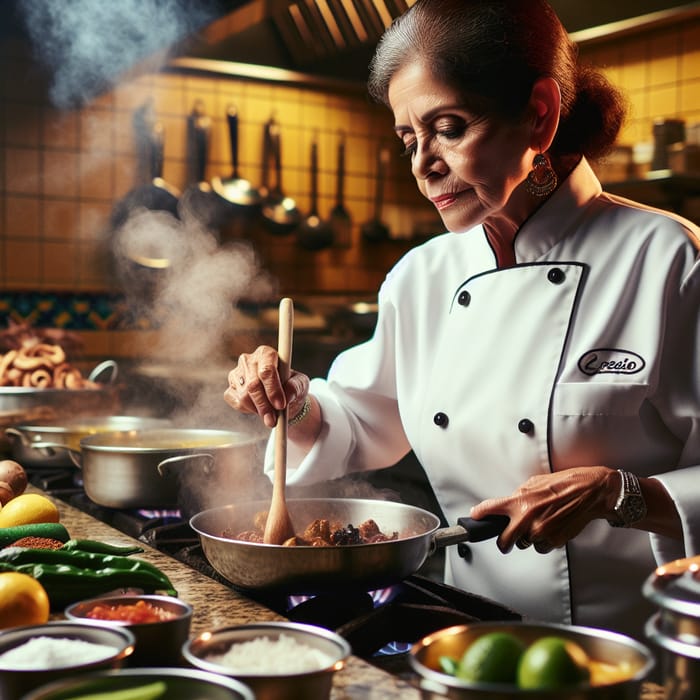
(610, 361)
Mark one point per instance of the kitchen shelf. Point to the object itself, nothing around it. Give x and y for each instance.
(659, 188)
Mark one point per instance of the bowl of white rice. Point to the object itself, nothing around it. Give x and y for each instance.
(34, 655)
(277, 660)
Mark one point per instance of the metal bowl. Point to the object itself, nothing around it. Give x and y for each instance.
(14, 682)
(270, 683)
(158, 643)
(179, 684)
(600, 645)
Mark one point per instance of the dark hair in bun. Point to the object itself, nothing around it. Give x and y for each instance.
(492, 52)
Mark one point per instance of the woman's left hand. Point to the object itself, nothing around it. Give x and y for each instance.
(550, 509)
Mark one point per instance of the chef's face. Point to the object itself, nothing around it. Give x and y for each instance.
(467, 164)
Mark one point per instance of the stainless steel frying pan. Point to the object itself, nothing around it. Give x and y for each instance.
(316, 570)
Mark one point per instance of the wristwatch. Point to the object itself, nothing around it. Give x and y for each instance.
(630, 506)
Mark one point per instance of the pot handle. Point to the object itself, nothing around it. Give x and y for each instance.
(208, 459)
(470, 530)
(23, 437)
(104, 367)
(48, 448)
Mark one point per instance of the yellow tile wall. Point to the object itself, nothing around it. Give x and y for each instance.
(659, 70)
(62, 171)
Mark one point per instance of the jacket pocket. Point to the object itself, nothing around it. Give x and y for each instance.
(598, 398)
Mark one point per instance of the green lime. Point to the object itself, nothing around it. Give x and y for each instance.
(491, 658)
(553, 662)
(448, 665)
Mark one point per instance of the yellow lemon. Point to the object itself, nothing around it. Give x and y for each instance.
(23, 600)
(28, 508)
(553, 662)
(491, 658)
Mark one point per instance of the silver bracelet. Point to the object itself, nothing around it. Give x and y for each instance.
(305, 410)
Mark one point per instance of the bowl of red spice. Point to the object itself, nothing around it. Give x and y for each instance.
(160, 624)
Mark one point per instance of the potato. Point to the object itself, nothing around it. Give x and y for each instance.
(13, 480)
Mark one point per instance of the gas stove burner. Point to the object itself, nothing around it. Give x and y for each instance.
(167, 516)
(378, 597)
(56, 482)
(171, 536)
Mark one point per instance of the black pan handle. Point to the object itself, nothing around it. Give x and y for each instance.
(470, 530)
(232, 118)
(484, 529)
(157, 150)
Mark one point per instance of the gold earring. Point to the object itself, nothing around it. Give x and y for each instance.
(541, 180)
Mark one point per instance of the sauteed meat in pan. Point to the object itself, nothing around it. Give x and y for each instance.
(319, 533)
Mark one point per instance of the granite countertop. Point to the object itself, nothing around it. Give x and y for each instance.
(216, 605)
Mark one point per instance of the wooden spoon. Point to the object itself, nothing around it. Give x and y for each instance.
(278, 527)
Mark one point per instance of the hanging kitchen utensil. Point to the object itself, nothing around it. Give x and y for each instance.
(278, 527)
(374, 230)
(199, 204)
(280, 213)
(340, 219)
(155, 195)
(314, 233)
(238, 192)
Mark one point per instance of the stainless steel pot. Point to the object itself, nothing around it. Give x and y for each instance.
(23, 405)
(314, 570)
(675, 589)
(121, 469)
(48, 445)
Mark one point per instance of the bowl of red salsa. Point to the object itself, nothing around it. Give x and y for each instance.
(160, 624)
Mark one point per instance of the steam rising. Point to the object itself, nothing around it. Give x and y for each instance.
(172, 269)
(88, 44)
(193, 280)
(176, 273)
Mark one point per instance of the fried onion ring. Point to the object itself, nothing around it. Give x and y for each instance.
(6, 361)
(38, 378)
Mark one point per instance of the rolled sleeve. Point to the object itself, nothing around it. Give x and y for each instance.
(327, 458)
(682, 487)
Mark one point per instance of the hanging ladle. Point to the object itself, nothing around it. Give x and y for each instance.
(278, 527)
(236, 190)
(375, 230)
(314, 233)
(340, 219)
(280, 213)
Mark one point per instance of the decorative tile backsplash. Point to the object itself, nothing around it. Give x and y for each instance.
(82, 311)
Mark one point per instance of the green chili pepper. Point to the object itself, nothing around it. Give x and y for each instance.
(151, 691)
(101, 547)
(70, 576)
(66, 584)
(75, 557)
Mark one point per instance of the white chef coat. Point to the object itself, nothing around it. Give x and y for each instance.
(586, 352)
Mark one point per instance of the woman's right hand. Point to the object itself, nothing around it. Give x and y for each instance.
(255, 386)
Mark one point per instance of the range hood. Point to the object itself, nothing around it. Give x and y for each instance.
(321, 41)
(336, 38)
(326, 38)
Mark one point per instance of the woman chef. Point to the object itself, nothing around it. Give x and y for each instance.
(542, 358)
